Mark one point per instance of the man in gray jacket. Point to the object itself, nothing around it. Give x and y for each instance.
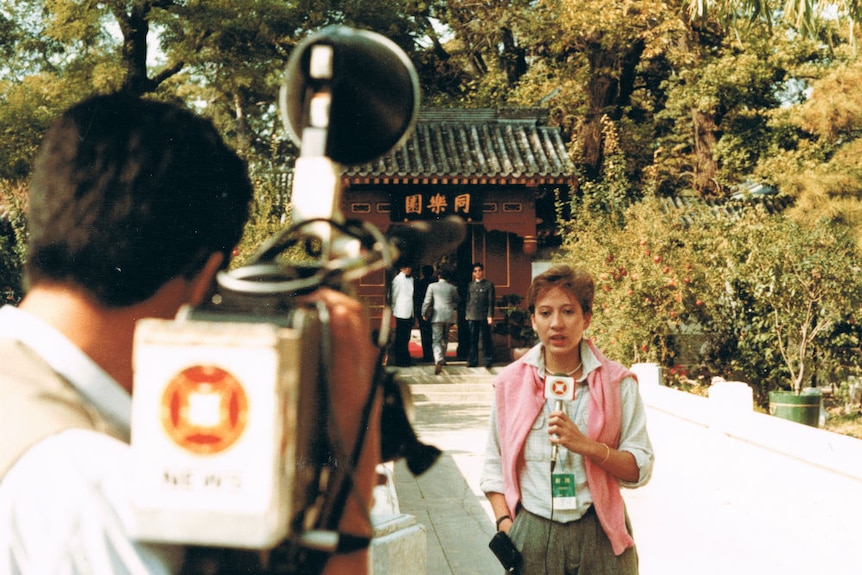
(441, 307)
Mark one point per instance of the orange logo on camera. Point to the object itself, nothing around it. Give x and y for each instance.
(204, 409)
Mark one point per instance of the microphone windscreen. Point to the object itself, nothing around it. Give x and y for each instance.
(374, 94)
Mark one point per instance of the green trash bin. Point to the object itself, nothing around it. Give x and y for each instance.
(802, 408)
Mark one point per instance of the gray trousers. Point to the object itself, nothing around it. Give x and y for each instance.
(440, 340)
(576, 548)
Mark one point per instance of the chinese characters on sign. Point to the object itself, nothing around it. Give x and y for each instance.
(432, 204)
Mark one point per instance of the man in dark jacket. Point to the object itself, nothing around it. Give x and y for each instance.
(480, 316)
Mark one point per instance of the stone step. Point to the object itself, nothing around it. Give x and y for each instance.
(452, 392)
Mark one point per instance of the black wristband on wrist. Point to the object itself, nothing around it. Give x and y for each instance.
(501, 519)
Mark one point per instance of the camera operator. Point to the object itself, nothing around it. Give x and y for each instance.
(134, 206)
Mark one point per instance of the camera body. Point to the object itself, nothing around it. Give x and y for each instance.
(225, 420)
(232, 434)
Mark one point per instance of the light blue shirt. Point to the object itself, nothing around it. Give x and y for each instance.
(535, 476)
(63, 505)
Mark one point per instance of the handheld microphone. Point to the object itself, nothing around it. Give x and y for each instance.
(555, 448)
(558, 388)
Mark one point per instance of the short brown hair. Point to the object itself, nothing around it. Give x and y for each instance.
(578, 282)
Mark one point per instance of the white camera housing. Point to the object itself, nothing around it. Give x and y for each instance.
(223, 416)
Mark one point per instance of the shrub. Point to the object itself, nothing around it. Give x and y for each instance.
(752, 296)
(517, 325)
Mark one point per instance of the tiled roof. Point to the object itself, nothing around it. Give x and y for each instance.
(690, 210)
(474, 146)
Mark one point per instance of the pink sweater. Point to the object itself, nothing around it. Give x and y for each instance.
(520, 398)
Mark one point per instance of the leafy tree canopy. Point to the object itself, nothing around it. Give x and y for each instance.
(224, 56)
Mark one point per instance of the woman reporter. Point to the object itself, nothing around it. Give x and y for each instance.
(568, 516)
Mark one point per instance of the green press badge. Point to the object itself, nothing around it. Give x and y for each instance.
(563, 490)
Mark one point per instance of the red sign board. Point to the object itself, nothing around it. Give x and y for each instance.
(433, 203)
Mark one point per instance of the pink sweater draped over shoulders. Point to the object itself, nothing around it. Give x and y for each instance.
(520, 398)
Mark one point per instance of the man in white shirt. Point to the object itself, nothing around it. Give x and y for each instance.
(402, 309)
(134, 206)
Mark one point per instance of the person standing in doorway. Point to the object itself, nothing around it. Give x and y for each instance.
(480, 316)
(402, 308)
(420, 288)
(441, 307)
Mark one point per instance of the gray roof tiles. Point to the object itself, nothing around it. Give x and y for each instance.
(483, 144)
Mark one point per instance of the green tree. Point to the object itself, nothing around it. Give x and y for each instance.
(26, 109)
(808, 18)
(650, 281)
(805, 278)
(817, 160)
(750, 295)
(735, 290)
(224, 58)
(590, 60)
(746, 21)
(604, 46)
(702, 82)
(13, 242)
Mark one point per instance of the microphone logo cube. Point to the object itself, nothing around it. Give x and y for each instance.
(559, 387)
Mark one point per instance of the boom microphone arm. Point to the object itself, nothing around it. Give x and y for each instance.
(349, 97)
(245, 377)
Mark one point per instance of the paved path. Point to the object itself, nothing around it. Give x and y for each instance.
(714, 505)
(452, 413)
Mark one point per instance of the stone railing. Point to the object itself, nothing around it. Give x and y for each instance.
(729, 409)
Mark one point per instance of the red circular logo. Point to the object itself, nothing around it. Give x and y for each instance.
(204, 409)
(560, 387)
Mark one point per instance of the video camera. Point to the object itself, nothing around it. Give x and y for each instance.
(232, 432)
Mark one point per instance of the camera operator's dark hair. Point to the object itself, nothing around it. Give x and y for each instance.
(127, 194)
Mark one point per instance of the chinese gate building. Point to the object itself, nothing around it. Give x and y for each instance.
(500, 170)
